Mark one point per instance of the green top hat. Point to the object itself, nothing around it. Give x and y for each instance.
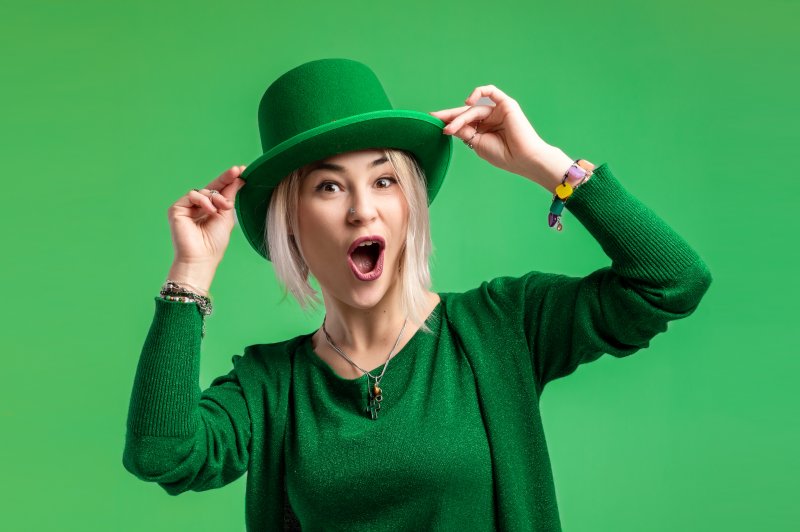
(323, 108)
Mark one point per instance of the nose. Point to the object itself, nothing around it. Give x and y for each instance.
(362, 209)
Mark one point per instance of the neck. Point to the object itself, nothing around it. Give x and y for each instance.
(357, 330)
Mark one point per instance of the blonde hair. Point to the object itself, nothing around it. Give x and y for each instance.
(290, 265)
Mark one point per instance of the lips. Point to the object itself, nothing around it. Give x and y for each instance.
(365, 257)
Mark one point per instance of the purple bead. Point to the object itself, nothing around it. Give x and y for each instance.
(576, 173)
(552, 219)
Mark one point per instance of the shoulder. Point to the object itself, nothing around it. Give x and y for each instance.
(275, 348)
(502, 302)
(501, 290)
(270, 358)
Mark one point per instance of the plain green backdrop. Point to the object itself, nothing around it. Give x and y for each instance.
(112, 110)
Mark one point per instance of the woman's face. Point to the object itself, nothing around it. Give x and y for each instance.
(354, 256)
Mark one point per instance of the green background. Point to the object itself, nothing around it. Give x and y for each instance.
(111, 111)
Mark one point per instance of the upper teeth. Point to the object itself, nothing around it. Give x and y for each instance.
(367, 243)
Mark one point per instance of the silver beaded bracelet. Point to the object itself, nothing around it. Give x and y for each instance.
(173, 291)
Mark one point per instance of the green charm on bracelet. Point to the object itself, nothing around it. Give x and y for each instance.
(557, 207)
(580, 170)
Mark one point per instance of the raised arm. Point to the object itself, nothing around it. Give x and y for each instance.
(177, 435)
(654, 277)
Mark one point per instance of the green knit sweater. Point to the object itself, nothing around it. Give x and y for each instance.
(457, 443)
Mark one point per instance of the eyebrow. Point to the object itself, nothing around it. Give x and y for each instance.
(337, 168)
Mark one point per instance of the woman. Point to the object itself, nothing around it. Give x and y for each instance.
(407, 408)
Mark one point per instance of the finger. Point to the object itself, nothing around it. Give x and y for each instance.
(197, 199)
(232, 189)
(469, 134)
(488, 91)
(226, 178)
(184, 201)
(448, 114)
(221, 200)
(201, 198)
(473, 114)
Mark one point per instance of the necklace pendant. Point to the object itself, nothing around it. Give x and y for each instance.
(374, 402)
(374, 392)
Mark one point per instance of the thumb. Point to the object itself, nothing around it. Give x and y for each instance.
(233, 188)
(239, 181)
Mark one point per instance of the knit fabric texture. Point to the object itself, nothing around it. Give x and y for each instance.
(423, 464)
(262, 416)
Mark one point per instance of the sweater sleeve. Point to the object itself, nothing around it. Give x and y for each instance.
(654, 277)
(178, 436)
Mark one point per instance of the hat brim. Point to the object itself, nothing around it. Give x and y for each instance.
(413, 131)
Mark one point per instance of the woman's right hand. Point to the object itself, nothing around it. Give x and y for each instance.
(201, 225)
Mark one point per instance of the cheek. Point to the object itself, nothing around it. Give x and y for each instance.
(315, 234)
(307, 228)
(310, 218)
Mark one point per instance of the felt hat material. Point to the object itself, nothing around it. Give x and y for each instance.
(323, 108)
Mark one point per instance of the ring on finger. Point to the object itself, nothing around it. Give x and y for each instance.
(210, 195)
(469, 142)
(211, 192)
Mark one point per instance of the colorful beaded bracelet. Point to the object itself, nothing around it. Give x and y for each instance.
(578, 173)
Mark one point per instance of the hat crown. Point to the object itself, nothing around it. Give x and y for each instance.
(315, 94)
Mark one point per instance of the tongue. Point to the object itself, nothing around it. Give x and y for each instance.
(363, 259)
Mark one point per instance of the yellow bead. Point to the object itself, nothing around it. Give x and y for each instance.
(564, 190)
(376, 390)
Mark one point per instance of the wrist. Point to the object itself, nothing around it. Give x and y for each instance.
(196, 275)
(547, 167)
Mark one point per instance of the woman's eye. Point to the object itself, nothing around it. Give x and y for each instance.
(328, 186)
(385, 182)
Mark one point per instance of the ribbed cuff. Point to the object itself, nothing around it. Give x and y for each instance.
(166, 389)
(638, 241)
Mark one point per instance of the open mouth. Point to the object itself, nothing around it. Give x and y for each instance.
(365, 257)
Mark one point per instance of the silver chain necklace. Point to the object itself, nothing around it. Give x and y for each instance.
(374, 392)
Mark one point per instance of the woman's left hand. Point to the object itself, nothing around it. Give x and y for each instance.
(504, 137)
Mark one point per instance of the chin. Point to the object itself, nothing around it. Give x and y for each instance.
(366, 297)
(362, 295)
